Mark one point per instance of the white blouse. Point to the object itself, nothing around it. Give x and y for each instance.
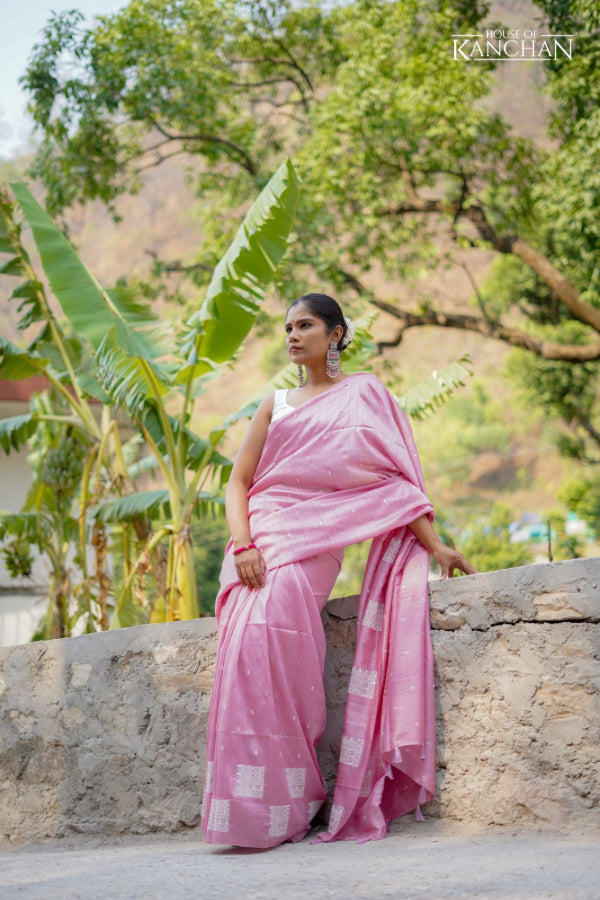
(280, 405)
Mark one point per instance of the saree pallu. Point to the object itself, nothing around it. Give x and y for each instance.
(337, 470)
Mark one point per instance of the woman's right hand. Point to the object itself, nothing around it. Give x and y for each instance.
(250, 567)
(450, 559)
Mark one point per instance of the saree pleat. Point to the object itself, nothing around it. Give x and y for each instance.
(338, 470)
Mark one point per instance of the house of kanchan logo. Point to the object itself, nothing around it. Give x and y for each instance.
(514, 44)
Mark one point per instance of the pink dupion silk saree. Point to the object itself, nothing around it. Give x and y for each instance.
(339, 469)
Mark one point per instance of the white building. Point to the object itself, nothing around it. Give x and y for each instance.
(22, 601)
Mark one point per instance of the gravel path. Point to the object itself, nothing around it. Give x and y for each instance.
(434, 860)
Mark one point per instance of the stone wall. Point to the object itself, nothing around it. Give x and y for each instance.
(105, 733)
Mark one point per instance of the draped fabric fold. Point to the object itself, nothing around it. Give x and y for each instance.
(338, 470)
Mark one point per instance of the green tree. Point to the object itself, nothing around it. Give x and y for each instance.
(581, 495)
(487, 545)
(392, 139)
(563, 545)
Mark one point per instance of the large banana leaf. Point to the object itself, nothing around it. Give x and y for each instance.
(91, 310)
(128, 378)
(241, 277)
(133, 506)
(153, 504)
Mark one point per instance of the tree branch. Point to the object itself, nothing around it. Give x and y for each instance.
(158, 160)
(556, 281)
(177, 266)
(509, 244)
(478, 295)
(587, 426)
(576, 353)
(233, 150)
(486, 326)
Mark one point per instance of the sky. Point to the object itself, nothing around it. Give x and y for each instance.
(22, 22)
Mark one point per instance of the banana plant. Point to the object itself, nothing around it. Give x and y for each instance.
(66, 408)
(146, 387)
(129, 367)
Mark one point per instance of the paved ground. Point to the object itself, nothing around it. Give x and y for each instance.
(432, 860)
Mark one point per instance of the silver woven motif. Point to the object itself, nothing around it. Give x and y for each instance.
(278, 820)
(218, 818)
(296, 779)
(208, 782)
(250, 781)
(335, 818)
(373, 617)
(392, 551)
(351, 750)
(362, 682)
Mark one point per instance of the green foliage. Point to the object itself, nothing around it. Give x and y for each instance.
(90, 310)
(349, 581)
(381, 121)
(16, 431)
(430, 394)
(563, 545)
(470, 423)
(581, 495)
(209, 538)
(18, 558)
(62, 468)
(48, 522)
(574, 83)
(186, 95)
(487, 544)
(561, 389)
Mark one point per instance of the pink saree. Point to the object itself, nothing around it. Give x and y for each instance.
(341, 468)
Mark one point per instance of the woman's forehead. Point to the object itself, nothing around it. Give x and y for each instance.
(301, 311)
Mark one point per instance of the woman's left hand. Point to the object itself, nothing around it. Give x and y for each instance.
(450, 559)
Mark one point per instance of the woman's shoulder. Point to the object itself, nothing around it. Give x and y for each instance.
(367, 383)
(366, 378)
(265, 408)
(374, 395)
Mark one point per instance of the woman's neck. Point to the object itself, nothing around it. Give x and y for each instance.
(318, 377)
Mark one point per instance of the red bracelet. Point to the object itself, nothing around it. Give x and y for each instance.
(243, 549)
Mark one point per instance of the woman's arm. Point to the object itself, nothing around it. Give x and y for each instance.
(250, 565)
(447, 558)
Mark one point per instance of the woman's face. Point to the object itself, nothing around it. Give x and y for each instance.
(307, 338)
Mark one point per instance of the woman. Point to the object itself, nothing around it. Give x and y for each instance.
(325, 465)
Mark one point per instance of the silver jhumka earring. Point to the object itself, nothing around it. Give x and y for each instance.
(333, 360)
(301, 378)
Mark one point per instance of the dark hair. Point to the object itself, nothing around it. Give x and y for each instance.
(325, 308)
